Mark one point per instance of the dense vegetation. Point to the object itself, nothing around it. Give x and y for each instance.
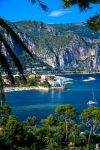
(59, 131)
(33, 81)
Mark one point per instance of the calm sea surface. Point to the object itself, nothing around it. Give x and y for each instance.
(41, 104)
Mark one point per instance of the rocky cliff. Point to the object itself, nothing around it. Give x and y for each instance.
(66, 46)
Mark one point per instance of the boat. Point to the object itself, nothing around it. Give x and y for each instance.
(92, 102)
(89, 79)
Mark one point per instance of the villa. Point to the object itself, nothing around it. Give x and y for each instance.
(7, 81)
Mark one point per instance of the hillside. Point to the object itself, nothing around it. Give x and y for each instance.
(62, 46)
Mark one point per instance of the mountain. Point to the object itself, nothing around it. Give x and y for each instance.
(62, 46)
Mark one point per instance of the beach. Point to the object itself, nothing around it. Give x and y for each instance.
(11, 89)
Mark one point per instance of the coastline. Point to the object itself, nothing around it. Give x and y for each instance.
(11, 89)
(71, 73)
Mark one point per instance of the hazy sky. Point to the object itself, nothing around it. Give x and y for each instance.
(17, 10)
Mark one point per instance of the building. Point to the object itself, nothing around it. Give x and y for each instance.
(7, 81)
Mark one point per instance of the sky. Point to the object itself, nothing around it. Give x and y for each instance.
(23, 10)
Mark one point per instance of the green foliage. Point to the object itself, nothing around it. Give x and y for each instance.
(92, 114)
(22, 148)
(94, 23)
(91, 119)
(31, 121)
(74, 134)
(16, 134)
(67, 110)
(50, 121)
(45, 84)
(54, 134)
(18, 80)
(33, 81)
(82, 4)
(5, 111)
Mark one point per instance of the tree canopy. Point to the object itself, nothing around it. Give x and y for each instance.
(93, 22)
(29, 135)
(91, 118)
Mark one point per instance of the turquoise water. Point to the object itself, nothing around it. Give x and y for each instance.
(41, 104)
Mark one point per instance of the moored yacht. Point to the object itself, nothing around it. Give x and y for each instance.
(89, 79)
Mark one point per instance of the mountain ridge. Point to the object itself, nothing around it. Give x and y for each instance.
(62, 46)
(59, 27)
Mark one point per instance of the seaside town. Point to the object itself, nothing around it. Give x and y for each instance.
(43, 82)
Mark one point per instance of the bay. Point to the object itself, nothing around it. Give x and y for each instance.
(42, 103)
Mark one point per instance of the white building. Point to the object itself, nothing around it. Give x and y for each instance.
(44, 77)
(58, 82)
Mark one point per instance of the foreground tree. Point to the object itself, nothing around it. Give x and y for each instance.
(67, 114)
(50, 121)
(5, 111)
(91, 119)
(16, 135)
(93, 22)
(67, 111)
(31, 121)
(49, 136)
(75, 134)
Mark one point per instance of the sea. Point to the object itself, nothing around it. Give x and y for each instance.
(43, 103)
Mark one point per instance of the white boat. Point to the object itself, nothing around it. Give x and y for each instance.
(92, 102)
(89, 79)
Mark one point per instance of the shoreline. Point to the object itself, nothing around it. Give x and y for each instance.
(41, 88)
(12, 89)
(80, 73)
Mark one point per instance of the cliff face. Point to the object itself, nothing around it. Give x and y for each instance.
(61, 46)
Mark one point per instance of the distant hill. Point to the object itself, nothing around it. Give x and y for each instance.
(62, 46)
(41, 29)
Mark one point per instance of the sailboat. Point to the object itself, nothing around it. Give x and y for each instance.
(92, 102)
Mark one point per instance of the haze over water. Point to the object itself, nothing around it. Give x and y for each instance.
(41, 103)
